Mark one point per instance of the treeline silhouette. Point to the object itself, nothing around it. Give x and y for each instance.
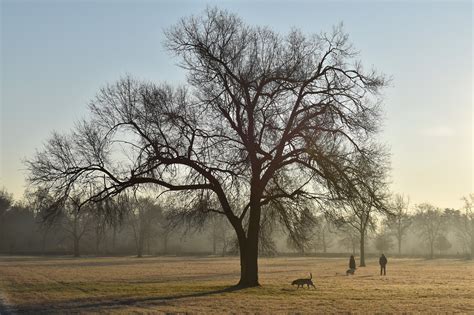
(145, 229)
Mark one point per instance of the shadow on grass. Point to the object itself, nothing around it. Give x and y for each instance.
(75, 306)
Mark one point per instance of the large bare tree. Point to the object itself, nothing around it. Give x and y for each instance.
(266, 123)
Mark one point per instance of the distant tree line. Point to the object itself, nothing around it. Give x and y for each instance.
(428, 229)
(27, 227)
(143, 228)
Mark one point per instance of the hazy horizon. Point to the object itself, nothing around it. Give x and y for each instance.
(56, 55)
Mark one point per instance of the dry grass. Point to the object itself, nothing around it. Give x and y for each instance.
(177, 284)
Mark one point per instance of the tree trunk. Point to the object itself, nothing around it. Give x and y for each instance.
(471, 256)
(431, 250)
(472, 237)
(165, 244)
(399, 236)
(76, 247)
(471, 249)
(248, 265)
(362, 250)
(140, 246)
(249, 250)
(224, 247)
(214, 244)
(75, 234)
(148, 252)
(140, 252)
(105, 243)
(114, 236)
(97, 243)
(399, 246)
(43, 243)
(324, 244)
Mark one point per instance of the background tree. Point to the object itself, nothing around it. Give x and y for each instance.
(6, 200)
(302, 234)
(100, 224)
(400, 221)
(349, 237)
(465, 224)
(117, 211)
(442, 244)
(19, 229)
(215, 231)
(323, 236)
(223, 236)
(77, 223)
(360, 209)
(266, 120)
(41, 202)
(73, 216)
(266, 244)
(165, 233)
(144, 215)
(430, 223)
(383, 241)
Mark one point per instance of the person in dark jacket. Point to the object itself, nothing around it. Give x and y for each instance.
(352, 263)
(383, 262)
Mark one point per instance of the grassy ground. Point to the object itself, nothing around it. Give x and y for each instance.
(191, 284)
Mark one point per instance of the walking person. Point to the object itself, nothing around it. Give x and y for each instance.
(383, 262)
(352, 263)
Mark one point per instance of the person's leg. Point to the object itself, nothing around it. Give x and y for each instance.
(384, 268)
(381, 270)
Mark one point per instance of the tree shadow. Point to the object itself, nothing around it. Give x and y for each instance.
(80, 304)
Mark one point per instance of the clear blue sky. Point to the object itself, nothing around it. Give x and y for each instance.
(55, 55)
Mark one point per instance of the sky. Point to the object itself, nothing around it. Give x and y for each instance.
(56, 55)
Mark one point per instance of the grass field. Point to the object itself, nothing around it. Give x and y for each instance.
(194, 284)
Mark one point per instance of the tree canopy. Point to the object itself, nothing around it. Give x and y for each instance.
(266, 123)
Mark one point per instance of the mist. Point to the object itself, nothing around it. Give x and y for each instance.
(23, 231)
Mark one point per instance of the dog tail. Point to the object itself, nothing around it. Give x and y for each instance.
(310, 275)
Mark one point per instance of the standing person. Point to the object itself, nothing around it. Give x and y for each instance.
(383, 262)
(352, 263)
